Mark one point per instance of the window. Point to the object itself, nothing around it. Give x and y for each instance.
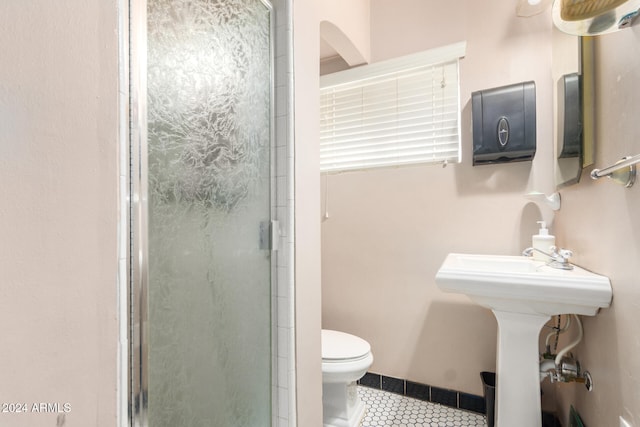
(397, 112)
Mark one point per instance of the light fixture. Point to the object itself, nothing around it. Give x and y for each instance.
(594, 17)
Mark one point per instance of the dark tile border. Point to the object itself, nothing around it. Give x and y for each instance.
(418, 391)
(394, 385)
(451, 398)
(371, 380)
(471, 402)
(444, 397)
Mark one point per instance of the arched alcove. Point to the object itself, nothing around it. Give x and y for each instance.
(336, 48)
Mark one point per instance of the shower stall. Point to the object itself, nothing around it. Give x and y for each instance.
(204, 294)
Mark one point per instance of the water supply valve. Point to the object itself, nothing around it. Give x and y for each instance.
(567, 371)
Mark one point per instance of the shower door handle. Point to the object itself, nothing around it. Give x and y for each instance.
(269, 235)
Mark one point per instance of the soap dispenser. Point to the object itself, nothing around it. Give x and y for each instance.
(542, 241)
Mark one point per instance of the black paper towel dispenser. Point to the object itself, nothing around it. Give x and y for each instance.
(570, 116)
(504, 124)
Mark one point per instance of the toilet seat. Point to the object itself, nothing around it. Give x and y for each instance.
(345, 357)
(342, 347)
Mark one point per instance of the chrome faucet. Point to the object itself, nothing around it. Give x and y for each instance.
(558, 258)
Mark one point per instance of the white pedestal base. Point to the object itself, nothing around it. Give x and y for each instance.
(517, 370)
(341, 405)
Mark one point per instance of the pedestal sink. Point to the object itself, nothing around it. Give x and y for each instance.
(523, 295)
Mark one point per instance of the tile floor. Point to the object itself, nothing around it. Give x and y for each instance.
(386, 409)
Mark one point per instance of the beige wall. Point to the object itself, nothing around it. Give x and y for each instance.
(58, 209)
(306, 46)
(600, 221)
(389, 230)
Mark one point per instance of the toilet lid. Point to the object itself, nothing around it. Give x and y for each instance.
(340, 345)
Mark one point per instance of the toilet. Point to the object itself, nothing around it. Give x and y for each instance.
(345, 359)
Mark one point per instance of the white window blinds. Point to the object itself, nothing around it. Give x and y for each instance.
(397, 112)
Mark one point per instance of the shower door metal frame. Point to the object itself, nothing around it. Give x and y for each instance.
(133, 22)
(138, 271)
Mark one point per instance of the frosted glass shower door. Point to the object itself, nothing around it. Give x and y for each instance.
(209, 144)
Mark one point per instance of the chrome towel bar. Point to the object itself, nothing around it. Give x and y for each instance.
(623, 172)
